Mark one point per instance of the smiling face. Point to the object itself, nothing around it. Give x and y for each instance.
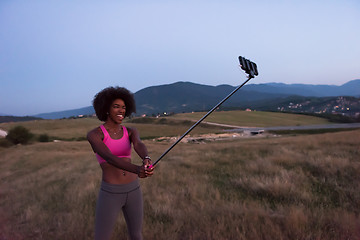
(117, 111)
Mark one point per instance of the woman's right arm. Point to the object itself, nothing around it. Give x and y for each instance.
(95, 139)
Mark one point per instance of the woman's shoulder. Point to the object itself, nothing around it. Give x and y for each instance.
(96, 132)
(131, 130)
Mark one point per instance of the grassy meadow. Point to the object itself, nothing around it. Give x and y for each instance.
(287, 187)
(255, 118)
(76, 129)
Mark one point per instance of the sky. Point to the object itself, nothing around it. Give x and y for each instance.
(56, 55)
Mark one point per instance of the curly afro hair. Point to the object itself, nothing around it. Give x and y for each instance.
(103, 100)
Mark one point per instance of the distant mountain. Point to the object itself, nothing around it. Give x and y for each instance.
(349, 106)
(186, 97)
(67, 114)
(351, 88)
(17, 119)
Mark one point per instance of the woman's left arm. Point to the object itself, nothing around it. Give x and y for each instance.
(139, 146)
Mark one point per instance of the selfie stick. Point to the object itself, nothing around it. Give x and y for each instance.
(250, 68)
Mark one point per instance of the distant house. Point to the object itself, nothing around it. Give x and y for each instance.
(3, 133)
(257, 132)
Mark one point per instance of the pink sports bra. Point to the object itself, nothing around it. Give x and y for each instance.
(119, 147)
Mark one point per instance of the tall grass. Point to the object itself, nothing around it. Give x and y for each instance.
(290, 188)
(303, 187)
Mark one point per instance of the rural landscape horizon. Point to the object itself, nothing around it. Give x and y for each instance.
(156, 97)
(216, 185)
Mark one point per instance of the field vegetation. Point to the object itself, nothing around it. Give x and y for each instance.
(255, 118)
(288, 187)
(76, 129)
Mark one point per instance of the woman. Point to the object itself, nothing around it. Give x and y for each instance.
(111, 142)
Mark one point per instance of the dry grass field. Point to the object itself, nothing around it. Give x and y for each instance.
(76, 129)
(255, 118)
(289, 187)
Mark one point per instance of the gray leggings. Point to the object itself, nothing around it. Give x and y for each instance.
(113, 198)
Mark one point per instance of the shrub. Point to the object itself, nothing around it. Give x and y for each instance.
(162, 121)
(44, 138)
(142, 120)
(19, 134)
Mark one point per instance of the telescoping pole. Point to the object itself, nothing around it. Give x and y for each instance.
(250, 68)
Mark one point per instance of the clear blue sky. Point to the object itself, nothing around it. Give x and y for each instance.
(55, 55)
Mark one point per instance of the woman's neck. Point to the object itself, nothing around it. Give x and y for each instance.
(112, 125)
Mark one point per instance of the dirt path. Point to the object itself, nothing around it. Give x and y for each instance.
(225, 125)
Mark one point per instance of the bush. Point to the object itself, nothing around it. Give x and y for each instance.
(146, 120)
(19, 134)
(44, 138)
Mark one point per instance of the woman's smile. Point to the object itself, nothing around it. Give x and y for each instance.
(117, 110)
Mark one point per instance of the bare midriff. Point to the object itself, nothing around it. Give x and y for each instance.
(114, 175)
